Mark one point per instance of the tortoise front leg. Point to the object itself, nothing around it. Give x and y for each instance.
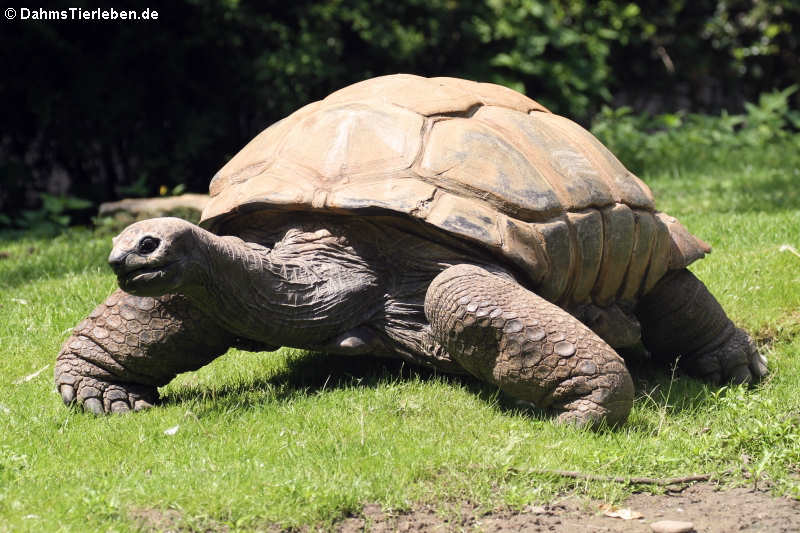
(130, 345)
(681, 318)
(533, 350)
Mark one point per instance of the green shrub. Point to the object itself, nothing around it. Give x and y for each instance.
(643, 142)
(122, 109)
(53, 216)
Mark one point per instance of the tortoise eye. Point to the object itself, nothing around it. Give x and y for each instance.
(148, 245)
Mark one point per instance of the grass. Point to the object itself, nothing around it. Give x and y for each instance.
(292, 438)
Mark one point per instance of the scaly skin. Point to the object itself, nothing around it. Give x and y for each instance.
(682, 320)
(130, 345)
(533, 350)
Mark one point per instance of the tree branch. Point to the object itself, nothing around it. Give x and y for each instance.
(662, 482)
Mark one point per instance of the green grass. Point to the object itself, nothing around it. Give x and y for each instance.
(294, 438)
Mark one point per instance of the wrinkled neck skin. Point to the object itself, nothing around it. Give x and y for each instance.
(307, 288)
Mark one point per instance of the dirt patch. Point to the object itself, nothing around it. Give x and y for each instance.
(704, 505)
(151, 520)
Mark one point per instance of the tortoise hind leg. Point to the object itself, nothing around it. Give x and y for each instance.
(128, 346)
(682, 320)
(533, 350)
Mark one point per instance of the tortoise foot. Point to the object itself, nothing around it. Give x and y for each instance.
(737, 361)
(78, 383)
(102, 397)
(584, 414)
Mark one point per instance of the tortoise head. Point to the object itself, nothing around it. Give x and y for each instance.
(155, 257)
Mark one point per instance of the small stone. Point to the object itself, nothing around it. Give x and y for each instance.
(671, 526)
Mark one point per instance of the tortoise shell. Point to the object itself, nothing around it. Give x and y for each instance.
(476, 160)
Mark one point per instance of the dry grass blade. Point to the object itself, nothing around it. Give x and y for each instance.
(29, 377)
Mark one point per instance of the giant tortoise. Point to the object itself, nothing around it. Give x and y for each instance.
(450, 223)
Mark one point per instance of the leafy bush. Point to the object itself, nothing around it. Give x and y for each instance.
(108, 110)
(53, 216)
(643, 142)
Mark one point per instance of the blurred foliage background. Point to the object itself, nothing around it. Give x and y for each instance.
(101, 110)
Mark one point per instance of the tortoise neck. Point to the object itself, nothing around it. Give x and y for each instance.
(283, 295)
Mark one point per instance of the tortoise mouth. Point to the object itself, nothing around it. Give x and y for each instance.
(144, 277)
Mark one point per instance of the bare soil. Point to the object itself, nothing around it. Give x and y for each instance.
(707, 507)
(704, 505)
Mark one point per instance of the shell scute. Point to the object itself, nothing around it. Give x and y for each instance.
(556, 237)
(618, 235)
(471, 159)
(433, 96)
(415, 93)
(351, 139)
(258, 153)
(561, 162)
(466, 218)
(402, 194)
(588, 227)
(490, 94)
(640, 255)
(626, 187)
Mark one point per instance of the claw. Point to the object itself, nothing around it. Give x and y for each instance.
(119, 407)
(67, 394)
(760, 367)
(93, 405)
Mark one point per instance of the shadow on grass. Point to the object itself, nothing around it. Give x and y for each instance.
(309, 373)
